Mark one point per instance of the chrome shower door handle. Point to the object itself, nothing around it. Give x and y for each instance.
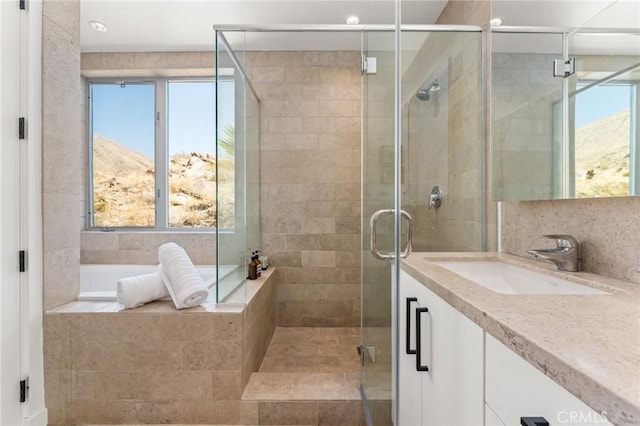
(409, 246)
(373, 223)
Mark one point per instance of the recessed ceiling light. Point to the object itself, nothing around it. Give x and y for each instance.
(496, 22)
(98, 26)
(353, 20)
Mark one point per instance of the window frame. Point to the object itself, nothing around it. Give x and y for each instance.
(161, 158)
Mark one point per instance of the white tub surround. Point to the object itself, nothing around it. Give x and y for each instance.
(588, 344)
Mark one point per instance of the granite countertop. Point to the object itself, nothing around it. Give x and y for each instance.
(589, 344)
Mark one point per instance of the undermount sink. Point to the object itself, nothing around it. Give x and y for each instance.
(509, 279)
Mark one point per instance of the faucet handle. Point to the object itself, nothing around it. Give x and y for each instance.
(563, 240)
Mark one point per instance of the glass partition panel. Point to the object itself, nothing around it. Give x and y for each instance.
(237, 170)
(442, 141)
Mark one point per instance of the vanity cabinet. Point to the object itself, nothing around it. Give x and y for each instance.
(451, 372)
(440, 368)
(515, 389)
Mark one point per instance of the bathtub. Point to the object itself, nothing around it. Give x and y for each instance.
(98, 282)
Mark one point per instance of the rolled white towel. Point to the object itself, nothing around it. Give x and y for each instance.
(180, 277)
(136, 291)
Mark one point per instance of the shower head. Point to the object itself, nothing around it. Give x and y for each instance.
(425, 94)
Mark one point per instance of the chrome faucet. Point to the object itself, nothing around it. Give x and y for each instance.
(566, 255)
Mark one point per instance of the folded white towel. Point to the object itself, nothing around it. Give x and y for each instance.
(136, 291)
(180, 277)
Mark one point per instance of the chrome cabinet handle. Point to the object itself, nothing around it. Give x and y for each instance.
(373, 223)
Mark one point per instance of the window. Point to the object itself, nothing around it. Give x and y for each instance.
(153, 157)
(605, 129)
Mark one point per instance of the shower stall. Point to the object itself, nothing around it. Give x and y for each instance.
(422, 158)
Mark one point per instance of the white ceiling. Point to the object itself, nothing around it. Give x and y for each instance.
(584, 15)
(187, 25)
(147, 25)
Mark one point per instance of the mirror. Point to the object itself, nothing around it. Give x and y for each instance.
(571, 137)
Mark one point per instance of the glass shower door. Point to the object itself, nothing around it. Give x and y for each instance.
(441, 145)
(377, 194)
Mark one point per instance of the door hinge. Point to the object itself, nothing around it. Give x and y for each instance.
(22, 128)
(366, 352)
(22, 261)
(23, 4)
(562, 68)
(369, 65)
(24, 390)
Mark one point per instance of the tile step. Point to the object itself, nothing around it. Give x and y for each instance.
(302, 387)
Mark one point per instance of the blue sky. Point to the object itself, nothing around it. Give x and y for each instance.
(126, 115)
(601, 101)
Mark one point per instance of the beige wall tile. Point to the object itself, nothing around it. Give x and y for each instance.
(160, 412)
(340, 413)
(195, 412)
(86, 411)
(318, 258)
(212, 356)
(60, 141)
(82, 385)
(61, 276)
(128, 355)
(227, 385)
(310, 150)
(291, 413)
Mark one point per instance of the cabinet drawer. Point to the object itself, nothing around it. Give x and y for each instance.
(515, 388)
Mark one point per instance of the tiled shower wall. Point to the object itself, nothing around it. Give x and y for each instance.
(61, 120)
(310, 181)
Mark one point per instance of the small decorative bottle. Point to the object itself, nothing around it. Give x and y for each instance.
(253, 270)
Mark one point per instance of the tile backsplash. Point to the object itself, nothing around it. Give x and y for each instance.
(607, 229)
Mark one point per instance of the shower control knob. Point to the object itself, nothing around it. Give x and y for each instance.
(435, 198)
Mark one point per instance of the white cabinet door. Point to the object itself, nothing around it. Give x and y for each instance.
(409, 379)
(451, 352)
(515, 389)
